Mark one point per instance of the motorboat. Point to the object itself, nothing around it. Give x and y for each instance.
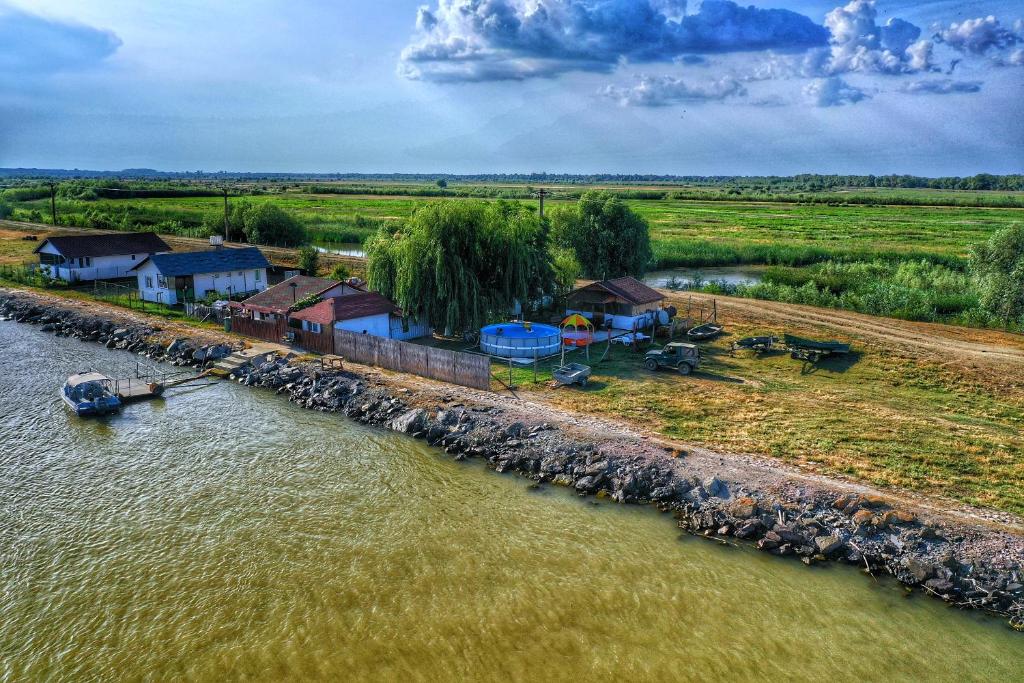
(90, 393)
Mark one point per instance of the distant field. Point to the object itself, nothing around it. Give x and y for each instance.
(684, 232)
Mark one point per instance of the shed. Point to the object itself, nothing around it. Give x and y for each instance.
(625, 302)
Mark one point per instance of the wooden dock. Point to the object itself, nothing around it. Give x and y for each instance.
(148, 383)
(131, 389)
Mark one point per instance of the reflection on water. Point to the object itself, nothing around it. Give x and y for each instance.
(694, 278)
(354, 249)
(225, 533)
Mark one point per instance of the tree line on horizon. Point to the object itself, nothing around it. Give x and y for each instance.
(1013, 182)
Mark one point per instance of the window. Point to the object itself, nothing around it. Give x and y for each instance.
(315, 328)
(259, 275)
(149, 282)
(161, 282)
(133, 257)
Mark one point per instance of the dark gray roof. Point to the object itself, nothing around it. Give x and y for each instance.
(106, 244)
(217, 261)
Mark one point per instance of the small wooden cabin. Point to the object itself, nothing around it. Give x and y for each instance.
(625, 302)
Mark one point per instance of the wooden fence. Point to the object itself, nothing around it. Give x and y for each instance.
(260, 329)
(455, 367)
(279, 331)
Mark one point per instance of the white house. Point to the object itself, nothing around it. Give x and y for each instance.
(190, 276)
(98, 256)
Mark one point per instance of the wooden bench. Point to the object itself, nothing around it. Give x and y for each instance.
(332, 362)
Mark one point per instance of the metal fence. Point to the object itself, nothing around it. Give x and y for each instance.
(455, 367)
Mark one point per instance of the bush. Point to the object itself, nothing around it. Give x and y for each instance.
(341, 272)
(309, 260)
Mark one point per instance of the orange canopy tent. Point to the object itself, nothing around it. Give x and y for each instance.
(577, 331)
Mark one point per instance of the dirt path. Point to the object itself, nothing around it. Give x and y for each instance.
(943, 342)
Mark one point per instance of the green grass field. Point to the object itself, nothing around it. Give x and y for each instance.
(684, 232)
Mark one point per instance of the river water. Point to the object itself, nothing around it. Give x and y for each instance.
(224, 534)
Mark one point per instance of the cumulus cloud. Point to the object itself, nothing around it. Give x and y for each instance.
(30, 44)
(660, 91)
(476, 40)
(980, 36)
(945, 86)
(860, 44)
(832, 92)
(857, 44)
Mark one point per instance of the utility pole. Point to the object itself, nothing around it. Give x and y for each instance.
(227, 227)
(53, 203)
(542, 193)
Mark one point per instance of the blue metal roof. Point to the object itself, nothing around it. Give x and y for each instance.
(178, 264)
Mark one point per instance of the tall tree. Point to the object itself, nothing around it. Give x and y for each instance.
(266, 223)
(609, 239)
(999, 265)
(460, 264)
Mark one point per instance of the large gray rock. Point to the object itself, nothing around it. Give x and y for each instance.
(715, 487)
(919, 569)
(409, 422)
(827, 545)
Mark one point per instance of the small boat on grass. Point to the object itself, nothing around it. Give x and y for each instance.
(90, 393)
(813, 350)
(705, 331)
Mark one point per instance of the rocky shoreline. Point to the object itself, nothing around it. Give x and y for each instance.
(969, 565)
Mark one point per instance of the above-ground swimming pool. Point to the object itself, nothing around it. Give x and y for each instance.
(520, 340)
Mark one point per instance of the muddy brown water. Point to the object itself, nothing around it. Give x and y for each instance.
(223, 534)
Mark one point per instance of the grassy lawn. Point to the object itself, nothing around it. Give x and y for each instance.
(877, 415)
(14, 250)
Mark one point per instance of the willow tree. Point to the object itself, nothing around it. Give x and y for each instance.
(999, 266)
(609, 239)
(460, 264)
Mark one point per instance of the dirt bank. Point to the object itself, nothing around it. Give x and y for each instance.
(955, 555)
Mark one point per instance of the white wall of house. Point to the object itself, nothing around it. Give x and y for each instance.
(90, 267)
(622, 322)
(339, 290)
(377, 325)
(416, 329)
(235, 282)
(153, 286)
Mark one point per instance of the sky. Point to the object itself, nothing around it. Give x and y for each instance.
(927, 87)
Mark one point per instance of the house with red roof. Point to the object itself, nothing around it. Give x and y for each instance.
(307, 310)
(275, 303)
